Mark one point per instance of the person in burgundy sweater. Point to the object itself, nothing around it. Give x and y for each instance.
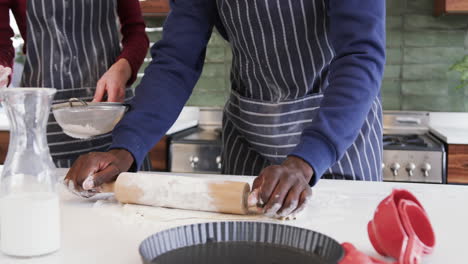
(7, 52)
(76, 48)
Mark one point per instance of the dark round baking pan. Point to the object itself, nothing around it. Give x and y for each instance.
(240, 242)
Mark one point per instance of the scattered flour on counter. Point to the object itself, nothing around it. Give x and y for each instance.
(98, 203)
(167, 193)
(156, 217)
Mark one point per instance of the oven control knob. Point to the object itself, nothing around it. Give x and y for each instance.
(194, 161)
(394, 168)
(218, 161)
(410, 168)
(425, 168)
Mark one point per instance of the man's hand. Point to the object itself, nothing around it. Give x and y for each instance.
(282, 190)
(92, 170)
(114, 82)
(4, 76)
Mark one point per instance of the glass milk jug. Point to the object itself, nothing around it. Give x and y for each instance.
(29, 204)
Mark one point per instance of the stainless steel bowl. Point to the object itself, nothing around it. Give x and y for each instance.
(82, 120)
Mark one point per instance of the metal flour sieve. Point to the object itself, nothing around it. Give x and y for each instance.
(83, 120)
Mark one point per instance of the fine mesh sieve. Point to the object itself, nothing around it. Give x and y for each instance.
(82, 120)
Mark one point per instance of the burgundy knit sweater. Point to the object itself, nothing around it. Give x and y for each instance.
(134, 39)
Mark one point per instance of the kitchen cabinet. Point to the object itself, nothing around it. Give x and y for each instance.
(452, 129)
(450, 7)
(4, 140)
(158, 155)
(154, 7)
(457, 168)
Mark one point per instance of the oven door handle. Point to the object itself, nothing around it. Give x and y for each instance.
(408, 120)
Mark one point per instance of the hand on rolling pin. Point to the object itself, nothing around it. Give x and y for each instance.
(92, 170)
(282, 190)
(4, 76)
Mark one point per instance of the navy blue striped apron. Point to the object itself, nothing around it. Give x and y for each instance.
(281, 53)
(71, 44)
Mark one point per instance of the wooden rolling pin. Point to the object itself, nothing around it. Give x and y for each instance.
(191, 193)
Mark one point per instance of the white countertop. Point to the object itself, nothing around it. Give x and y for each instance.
(188, 118)
(450, 127)
(106, 232)
(451, 135)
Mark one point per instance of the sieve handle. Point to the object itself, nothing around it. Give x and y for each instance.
(73, 100)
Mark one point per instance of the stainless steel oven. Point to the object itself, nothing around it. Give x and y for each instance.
(410, 152)
(198, 149)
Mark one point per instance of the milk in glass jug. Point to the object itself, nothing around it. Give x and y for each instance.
(29, 204)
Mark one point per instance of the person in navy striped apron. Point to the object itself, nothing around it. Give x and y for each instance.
(74, 46)
(305, 98)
